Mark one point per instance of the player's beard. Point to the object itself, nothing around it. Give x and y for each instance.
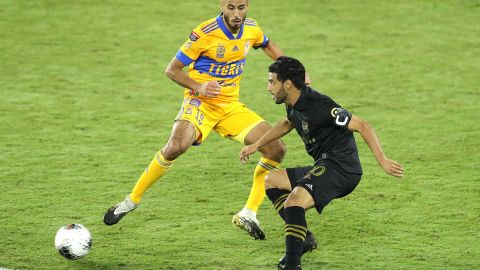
(280, 96)
(234, 26)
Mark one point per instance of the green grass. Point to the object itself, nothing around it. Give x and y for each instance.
(84, 105)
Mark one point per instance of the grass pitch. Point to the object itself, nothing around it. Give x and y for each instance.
(84, 105)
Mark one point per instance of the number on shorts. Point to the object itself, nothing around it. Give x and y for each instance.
(199, 116)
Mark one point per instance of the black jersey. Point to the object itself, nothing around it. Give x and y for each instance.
(322, 124)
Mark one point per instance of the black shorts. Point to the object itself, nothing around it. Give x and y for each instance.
(324, 181)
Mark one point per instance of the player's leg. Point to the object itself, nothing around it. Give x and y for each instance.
(278, 186)
(296, 230)
(272, 155)
(183, 135)
(245, 126)
(192, 125)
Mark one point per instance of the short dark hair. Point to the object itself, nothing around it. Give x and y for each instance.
(289, 68)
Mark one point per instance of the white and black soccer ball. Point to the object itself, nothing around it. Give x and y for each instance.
(73, 241)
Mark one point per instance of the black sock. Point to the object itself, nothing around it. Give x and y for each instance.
(295, 233)
(278, 197)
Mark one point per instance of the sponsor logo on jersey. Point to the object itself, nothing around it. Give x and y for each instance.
(193, 36)
(188, 111)
(220, 50)
(235, 48)
(309, 186)
(195, 102)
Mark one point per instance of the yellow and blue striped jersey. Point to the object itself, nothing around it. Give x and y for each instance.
(212, 52)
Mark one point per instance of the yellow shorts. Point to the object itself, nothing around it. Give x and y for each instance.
(232, 120)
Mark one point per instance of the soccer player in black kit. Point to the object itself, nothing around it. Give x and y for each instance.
(327, 131)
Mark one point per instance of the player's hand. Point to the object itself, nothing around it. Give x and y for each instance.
(308, 82)
(246, 152)
(392, 167)
(209, 89)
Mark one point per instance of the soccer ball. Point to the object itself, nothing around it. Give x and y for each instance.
(73, 241)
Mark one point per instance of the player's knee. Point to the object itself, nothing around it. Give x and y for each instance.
(292, 200)
(270, 181)
(173, 150)
(300, 197)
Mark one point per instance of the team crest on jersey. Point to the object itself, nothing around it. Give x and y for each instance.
(305, 127)
(188, 110)
(193, 36)
(220, 50)
(195, 102)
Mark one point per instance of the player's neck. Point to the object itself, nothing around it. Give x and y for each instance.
(293, 97)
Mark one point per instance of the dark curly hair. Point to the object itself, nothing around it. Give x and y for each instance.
(289, 68)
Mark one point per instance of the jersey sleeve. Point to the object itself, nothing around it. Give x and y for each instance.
(340, 117)
(261, 40)
(192, 48)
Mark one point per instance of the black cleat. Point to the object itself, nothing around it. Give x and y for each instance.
(289, 267)
(310, 243)
(116, 213)
(252, 226)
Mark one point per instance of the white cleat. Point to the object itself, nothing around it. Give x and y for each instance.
(249, 224)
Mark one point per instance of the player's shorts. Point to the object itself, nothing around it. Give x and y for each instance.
(231, 120)
(325, 181)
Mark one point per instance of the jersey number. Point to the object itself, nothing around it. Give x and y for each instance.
(316, 171)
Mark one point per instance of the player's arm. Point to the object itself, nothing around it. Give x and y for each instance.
(272, 50)
(175, 72)
(279, 130)
(370, 137)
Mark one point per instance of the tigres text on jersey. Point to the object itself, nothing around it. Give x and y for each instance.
(212, 52)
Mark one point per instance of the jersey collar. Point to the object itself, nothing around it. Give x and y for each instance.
(225, 29)
(301, 104)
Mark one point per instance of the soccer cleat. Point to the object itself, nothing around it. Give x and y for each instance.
(249, 224)
(288, 267)
(117, 212)
(309, 244)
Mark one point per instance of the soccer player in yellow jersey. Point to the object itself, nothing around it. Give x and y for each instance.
(215, 54)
